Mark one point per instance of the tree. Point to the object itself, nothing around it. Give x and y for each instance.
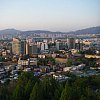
(89, 94)
(48, 88)
(69, 62)
(42, 61)
(18, 92)
(66, 93)
(58, 92)
(83, 97)
(98, 94)
(24, 86)
(4, 95)
(36, 92)
(28, 89)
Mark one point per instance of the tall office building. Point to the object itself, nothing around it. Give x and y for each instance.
(27, 48)
(57, 45)
(78, 44)
(31, 48)
(44, 46)
(71, 43)
(61, 45)
(35, 49)
(18, 46)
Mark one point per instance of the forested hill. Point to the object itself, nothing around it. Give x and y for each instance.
(28, 87)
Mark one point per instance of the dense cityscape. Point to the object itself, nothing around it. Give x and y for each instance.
(59, 57)
(49, 49)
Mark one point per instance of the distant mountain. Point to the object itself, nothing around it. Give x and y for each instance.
(92, 30)
(9, 31)
(40, 32)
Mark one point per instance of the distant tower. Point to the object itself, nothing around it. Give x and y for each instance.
(18, 46)
(35, 49)
(44, 46)
(57, 45)
(71, 43)
(78, 44)
(27, 48)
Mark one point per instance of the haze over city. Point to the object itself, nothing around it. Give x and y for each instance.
(53, 15)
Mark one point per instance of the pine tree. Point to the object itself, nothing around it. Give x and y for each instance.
(18, 92)
(36, 92)
(66, 93)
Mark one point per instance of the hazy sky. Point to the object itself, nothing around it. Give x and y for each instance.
(54, 15)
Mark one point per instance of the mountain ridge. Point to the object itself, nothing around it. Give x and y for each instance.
(91, 30)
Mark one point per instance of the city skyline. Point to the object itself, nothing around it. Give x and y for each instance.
(54, 15)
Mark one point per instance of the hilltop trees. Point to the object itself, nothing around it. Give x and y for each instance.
(24, 86)
(45, 62)
(28, 87)
(36, 93)
(44, 90)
